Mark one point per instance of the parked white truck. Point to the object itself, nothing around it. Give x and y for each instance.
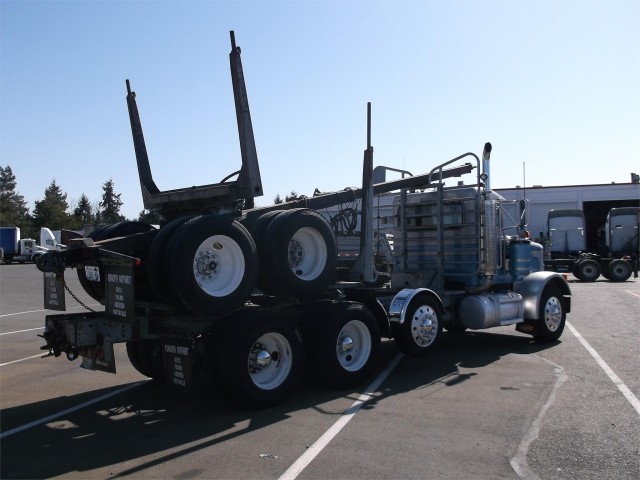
(21, 250)
(617, 258)
(245, 298)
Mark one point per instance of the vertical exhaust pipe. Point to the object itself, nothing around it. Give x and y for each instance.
(486, 167)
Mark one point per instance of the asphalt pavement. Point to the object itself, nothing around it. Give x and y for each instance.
(487, 404)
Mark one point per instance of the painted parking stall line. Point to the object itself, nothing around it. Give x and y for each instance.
(314, 450)
(40, 355)
(633, 400)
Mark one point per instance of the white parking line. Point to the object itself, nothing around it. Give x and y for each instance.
(519, 460)
(20, 331)
(49, 418)
(45, 310)
(314, 450)
(22, 359)
(21, 313)
(632, 293)
(633, 400)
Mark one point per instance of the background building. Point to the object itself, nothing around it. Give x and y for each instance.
(594, 200)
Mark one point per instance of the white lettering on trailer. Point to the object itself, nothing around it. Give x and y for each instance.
(115, 278)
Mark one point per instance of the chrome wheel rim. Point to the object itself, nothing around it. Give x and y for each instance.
(270, 361)
(353, 346)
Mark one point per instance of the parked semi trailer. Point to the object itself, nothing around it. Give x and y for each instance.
(246, 298)
(617, 257)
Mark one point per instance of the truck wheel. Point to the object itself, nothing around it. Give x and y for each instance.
(619, 271)
(587, 270)
(151, 358)
(260, 224)
(551, 317)
(261, 361)
(213, 265)
(344, 344)
(133, 352)
(257, 228)
(301, 254)
(157, 259)
(422, 327)
(146, 358)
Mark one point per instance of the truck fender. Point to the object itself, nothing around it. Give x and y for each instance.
(399, 304)
(532, 286)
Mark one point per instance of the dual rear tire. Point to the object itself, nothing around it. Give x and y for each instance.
(298, 253)
(209, 264)
(205, 264)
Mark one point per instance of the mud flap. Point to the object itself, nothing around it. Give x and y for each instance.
(54, 291)
(99, 358)
(177, 364)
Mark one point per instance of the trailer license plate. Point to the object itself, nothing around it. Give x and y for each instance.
(92, 273)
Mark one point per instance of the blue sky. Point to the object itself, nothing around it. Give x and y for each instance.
(553, 85)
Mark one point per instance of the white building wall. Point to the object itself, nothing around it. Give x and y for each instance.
(540, 200)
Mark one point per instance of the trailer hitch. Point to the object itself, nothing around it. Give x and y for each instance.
(57, 343)
(54, 343)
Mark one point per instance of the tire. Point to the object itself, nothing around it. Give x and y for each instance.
(133, 353)
(344, 344)
(96, 290)
(261, 361)
(258, 228)
(551, 315)
(587, 270)
(300, 254)
(260, 224)
(421, 330)
(146, 357)
(213, 265)
(157, 259)
(619, 271)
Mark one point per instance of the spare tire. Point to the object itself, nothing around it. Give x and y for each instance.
(157, 259)
(96, 290)
(213, 265)
(300, 253)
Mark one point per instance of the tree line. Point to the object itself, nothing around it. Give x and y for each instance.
(53, 211)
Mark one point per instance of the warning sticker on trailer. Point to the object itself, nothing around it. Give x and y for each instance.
(92, 273)
(120, 297)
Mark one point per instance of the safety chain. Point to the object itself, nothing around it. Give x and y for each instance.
(66, 287)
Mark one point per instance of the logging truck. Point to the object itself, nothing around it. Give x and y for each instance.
(249, 298)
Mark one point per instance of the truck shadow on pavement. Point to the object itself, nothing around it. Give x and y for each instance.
(149, 425)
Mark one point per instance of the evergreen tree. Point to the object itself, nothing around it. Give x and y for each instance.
(293, 196)
(151, 217)
(110, 204)
(52, 210)
(13, 207)
(83, 213)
